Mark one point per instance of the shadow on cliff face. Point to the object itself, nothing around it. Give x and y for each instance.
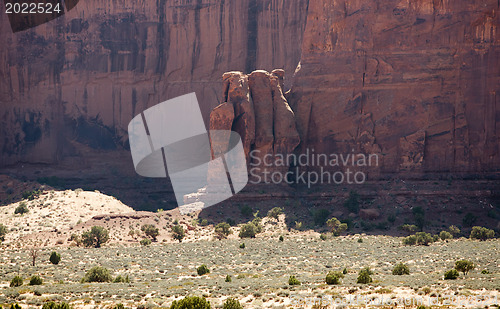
(376, 208)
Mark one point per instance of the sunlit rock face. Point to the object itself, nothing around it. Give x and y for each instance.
(255, 107)
(74, 83)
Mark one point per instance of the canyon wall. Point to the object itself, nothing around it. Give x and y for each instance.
(74, 83)
(414, 82)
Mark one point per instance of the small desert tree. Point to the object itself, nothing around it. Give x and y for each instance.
(178, 232)
(444, 235)
(455, 231)
(232, 303)
(34, 255)
(222, 230)
(334, 277)
(16, 281)
(336, 226)
(481, 233)
(21, 209)
(424, 238)
(95, 237)
(409, 228)
(464, 266)
(194, 302)
(364, 276)
(97, 274)
(275, 212)
(401, 269)
(151, 231)
(451, 274)
(55, 258)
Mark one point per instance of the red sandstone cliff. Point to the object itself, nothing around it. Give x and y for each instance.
(80, 79)
(413, 81)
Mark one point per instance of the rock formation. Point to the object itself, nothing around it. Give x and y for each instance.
(412, 81)
(72, 84)
(262, 117)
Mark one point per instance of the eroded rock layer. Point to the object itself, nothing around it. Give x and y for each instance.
(262, 117)
(79, 79)
(415, 82)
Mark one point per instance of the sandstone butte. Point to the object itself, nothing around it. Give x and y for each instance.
(412, 81)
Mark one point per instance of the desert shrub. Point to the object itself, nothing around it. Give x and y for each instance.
(352, 202)
(469, 219)
(444, 235)
(36, 280)
(232, 303)
(122, 279)
(3, 232)
(281, 238)
(191, 302)
(323, 237)
(451, 274)
(248, 230)
(481, 233)
(21, 209)
(97, 236)
(119, 306)
(419, 217)
(15, 306)
(55, 258)
(410, 240)
(401, 269)
(230, 221)
(202, 270)
(320, 216)
(76, 238)
(151, 231)
(228, 278)
(424, 238)
(336, 226)
(246, 211)
(344, 271)
(360, 240)
(409, 228)
(145, 242)
(53, 305)
(257, 223)
(334, 277)
(97, 274)
(242, 245)
(455, 231)
(178, 232)
(222, 230)
(293, 281)
(16, 281)
(485, 272)
(275, 212)
(203, 222)
(30, 195)
(435, 238)
(464, 266)
(364, 276)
